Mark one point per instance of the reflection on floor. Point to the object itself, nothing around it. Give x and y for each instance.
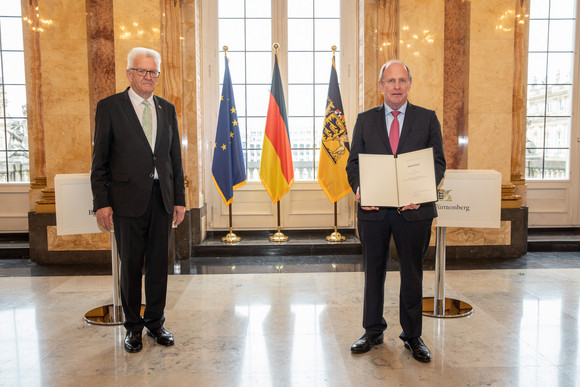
(281, 328)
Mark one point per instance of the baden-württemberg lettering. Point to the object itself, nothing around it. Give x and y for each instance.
(455, 207)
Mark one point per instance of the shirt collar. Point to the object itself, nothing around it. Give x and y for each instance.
(137, 99)
(402, 109)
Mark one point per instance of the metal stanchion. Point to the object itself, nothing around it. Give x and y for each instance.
(439, 306)
(111, 314)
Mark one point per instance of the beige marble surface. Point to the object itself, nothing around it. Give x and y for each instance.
(76, 242)
(295, 330)
(63, 77)
(456, 236)
(136, 25)
(421, 48)
(491, 86)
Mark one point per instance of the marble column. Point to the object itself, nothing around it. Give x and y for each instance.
(180, 41)
(380, 43)
(101, 53)
(171, 54)
(456, 82)
(521, 28)
(192, 117)
(36, 138)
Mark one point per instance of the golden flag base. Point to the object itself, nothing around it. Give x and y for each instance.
(335, 237)
(279, 237)
(231, 238)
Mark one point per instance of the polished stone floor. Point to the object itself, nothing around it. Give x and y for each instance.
(282, 328)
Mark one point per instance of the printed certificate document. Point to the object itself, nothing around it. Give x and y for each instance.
(395, 181)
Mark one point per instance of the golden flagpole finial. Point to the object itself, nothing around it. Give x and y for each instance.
(333, 48)
(276, 47)
(226, 50)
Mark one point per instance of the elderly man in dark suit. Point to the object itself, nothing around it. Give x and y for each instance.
(138, 185)
(411, 128)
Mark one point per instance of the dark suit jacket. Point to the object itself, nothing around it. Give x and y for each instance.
(123, 162)
(421, 129)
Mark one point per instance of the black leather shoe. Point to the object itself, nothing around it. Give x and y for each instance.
(418, 348)
(133, 342)
(161, 336)
(366, 342)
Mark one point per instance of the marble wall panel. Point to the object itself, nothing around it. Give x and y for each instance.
(491, 85)
(421, 48)
(136, 25)
(65, 95)
(491, 78)
(81, 242)
(491, 134)
(455, 236)
(371, 28)
(70, 144)
(493, 19)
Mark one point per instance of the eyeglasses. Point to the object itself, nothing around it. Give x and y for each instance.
(392, 81)
(143, 72)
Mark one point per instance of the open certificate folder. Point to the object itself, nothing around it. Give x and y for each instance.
(395, 181)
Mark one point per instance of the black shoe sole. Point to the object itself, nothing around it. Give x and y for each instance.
(132, 349)
(365, 351)
(358, 352)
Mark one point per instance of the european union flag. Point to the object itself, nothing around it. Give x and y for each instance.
(228, 169)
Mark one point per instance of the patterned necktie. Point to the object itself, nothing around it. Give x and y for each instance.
(147, 122)
(394, 132)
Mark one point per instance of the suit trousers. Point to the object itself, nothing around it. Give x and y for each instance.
(143, 242)
(411, 241)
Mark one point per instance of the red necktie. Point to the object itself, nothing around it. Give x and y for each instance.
(394, 132)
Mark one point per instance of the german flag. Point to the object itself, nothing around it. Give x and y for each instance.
(276, 167)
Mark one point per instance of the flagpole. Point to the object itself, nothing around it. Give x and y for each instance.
(231, 237)
(279, 235)
(335, 237)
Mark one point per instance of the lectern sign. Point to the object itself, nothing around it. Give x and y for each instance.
(74, 205)
(469, 198)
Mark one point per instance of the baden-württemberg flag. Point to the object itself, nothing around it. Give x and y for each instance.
(228, 169)
(334, 149)
(276, 167)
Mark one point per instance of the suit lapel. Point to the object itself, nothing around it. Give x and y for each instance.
(381, 124)
(410, 115)
(160, 127)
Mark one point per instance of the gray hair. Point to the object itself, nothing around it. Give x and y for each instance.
(141, 51)
(386, 65)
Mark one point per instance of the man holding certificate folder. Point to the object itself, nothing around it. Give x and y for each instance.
(396, 127)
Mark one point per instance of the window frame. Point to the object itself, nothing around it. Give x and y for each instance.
(548, 105)
(305, 206)
(7, 120)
